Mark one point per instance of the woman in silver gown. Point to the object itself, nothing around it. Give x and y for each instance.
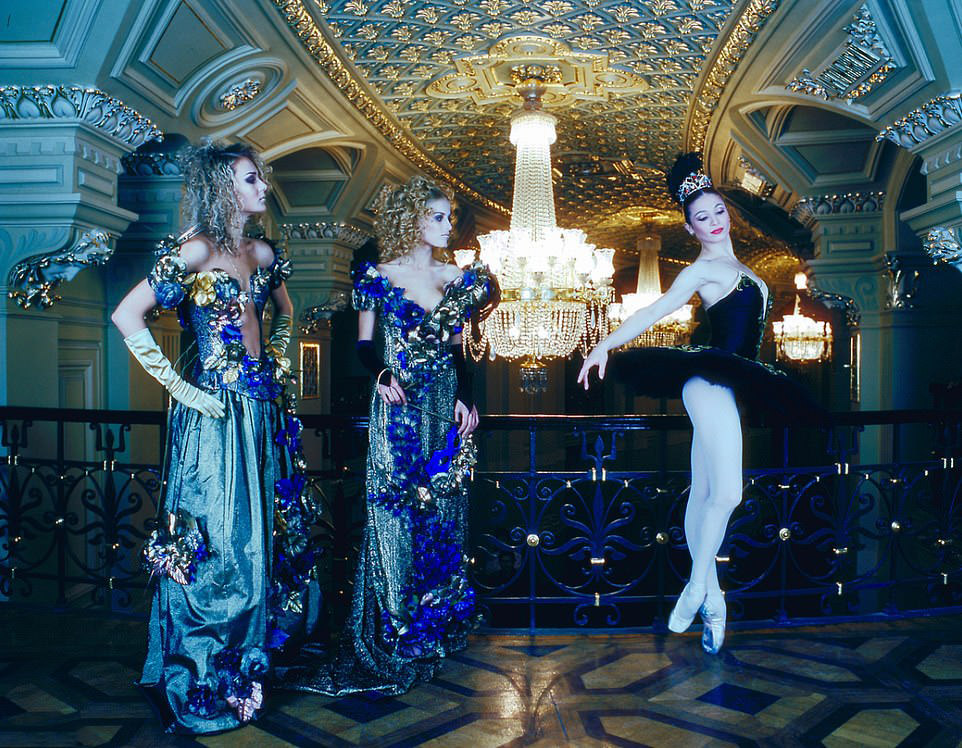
(412, 602)
(232, 569)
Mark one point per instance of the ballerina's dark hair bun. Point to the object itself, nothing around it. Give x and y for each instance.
(685, 164)
(686, 180)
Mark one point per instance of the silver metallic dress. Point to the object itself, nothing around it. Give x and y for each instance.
(412, 602)
(233, 574)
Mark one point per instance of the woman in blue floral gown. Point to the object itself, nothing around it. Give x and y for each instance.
(232, 570)
(412, 602)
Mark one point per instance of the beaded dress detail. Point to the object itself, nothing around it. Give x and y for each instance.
(233, 575)
(412, 602)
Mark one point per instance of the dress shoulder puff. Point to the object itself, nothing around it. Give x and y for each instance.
(370, 287)
(168, 277)
(279, 270)
(476, 286)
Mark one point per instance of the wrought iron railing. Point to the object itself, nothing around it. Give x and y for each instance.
(575, 521)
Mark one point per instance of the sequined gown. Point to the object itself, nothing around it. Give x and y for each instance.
(737, 324)
(227, 589)
(412, 603)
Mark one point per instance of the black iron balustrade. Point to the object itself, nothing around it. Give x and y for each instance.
(576, 521)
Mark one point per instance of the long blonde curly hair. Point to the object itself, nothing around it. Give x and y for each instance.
(210, 200)
(399, 212)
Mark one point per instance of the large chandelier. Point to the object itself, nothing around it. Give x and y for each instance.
(799, 338)
(673, 329)
(555, 286)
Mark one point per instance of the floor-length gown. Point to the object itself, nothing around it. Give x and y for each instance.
(412, 603)
(233, 576)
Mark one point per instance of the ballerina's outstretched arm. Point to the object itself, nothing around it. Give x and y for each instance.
(682, 289)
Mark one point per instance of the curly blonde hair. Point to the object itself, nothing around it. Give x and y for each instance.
(399, 212)
(210, 200)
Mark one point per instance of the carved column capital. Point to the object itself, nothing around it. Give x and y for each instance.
(320, 230)
(925, 122)
(92, 106)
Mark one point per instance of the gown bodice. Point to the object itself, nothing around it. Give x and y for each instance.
(414, 341)
(211, 305)
(738, 319)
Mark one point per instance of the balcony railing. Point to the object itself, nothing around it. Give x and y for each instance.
(576, 521)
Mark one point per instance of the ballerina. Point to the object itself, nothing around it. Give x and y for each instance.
(737, 303)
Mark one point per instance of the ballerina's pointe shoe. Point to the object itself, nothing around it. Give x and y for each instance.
(713, 613)
(687, 605)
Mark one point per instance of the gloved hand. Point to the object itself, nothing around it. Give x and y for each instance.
(145, 349)
(280, 335)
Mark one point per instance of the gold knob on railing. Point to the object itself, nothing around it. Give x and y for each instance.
(661, 538)
(532, 539)
(896, 525)
(784, 534)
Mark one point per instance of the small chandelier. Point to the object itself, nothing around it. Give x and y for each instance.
(673, 329)
(799, 338)
(555, 286)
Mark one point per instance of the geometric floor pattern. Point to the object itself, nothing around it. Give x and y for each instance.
(68, 680)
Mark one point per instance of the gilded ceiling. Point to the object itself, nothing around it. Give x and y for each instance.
(437, 67)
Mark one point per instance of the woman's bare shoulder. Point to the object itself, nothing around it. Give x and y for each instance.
(386, 268)
(197, 250)
(263, 252)
(448, 271)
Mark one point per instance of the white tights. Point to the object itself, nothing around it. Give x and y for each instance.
(716, 475)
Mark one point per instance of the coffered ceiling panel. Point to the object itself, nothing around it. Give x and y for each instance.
(440, 69)
(186, 44)
(31, 22)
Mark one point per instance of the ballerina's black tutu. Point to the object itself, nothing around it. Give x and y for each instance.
(737, 325)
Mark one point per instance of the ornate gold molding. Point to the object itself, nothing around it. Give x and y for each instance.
(863, 64)
(34, 281)
(713, 83)
(301, 22)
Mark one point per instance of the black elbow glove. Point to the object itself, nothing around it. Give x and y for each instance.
(465, 387)
(372, 362)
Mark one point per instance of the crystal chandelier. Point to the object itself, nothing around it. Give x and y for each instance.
(799, 338)
(556, 287)
(673, 329)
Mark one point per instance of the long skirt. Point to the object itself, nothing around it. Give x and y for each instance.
(212, 628)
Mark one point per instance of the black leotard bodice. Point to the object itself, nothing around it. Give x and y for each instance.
(737, 323)
(738, 319)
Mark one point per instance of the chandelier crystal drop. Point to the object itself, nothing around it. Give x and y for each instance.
(556, 287)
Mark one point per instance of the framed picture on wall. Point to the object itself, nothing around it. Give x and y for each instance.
(310, 370)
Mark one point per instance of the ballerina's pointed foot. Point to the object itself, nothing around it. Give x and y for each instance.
(713, 613)
(689, 601)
